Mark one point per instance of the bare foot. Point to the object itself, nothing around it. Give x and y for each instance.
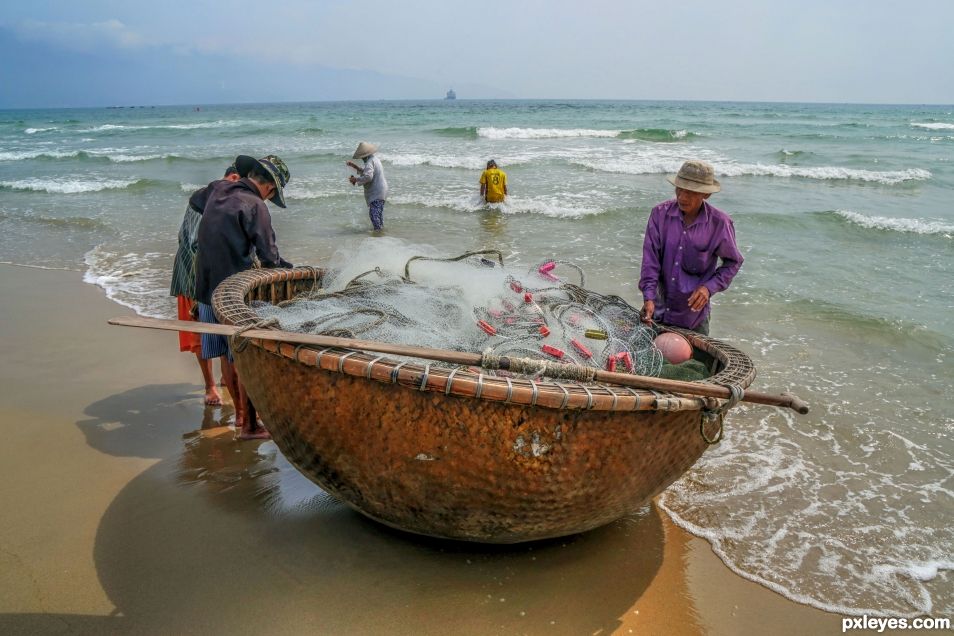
(212, 396)
(256, 433)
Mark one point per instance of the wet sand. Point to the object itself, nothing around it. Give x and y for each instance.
(128, 506)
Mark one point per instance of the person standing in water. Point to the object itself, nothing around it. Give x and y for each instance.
(493, 183)
(686, 238)
(371, 176)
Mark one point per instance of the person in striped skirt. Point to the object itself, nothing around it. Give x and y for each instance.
(183, 285)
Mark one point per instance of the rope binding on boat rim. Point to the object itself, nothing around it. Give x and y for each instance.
(718, 414)
(238, 343)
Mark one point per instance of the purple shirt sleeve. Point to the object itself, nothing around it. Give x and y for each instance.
(652, 251)
(731, 257)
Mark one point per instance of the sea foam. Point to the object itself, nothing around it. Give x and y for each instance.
(554, 207)
(891, 224)
(543, 133)
(20, 155)
(197, 125)
(137, 281)
(67, 185)
(933, 125)
(647, 164)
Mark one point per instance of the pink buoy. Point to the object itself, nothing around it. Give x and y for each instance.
(674, 348)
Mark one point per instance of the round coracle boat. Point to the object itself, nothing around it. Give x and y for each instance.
(459, 453)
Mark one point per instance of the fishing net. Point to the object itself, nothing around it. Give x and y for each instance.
(474, 303)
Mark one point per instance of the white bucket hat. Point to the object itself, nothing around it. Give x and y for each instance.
(696, 176)
(364, 149)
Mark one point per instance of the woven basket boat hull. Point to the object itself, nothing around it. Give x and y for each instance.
(462, 455)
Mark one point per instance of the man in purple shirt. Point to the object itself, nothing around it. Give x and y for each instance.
(686, 237)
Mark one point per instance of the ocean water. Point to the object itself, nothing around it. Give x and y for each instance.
(843, 212)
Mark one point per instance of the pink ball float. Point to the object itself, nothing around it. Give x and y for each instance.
(675, 348)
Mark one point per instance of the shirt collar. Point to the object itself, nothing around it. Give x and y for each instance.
(674, 211)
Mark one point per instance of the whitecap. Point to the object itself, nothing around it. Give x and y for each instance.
(894, 224)
(835, 173)
(554, 207)
(933, 125)
(545, 133)
(203, 124)
(649, 164)
(36, 154)
(66, 185)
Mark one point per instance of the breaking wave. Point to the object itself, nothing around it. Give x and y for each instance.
(543, 133)
(893, 224)
(933, 125)
(553, 207)
(66, 185)
(657, 134)
(652, 165)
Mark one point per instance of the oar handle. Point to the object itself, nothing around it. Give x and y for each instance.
(464, 358)
(796, 403)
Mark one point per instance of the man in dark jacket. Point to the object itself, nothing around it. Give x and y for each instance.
(236, 221)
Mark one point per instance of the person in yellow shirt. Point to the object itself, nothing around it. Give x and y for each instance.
(493, 183)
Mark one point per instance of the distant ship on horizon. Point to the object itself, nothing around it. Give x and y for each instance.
(451, 94)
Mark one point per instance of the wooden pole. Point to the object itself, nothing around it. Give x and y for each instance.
(786, 400)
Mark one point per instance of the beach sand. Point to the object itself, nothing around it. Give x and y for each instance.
(128, 506)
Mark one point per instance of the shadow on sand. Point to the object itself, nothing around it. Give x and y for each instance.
(225, 535)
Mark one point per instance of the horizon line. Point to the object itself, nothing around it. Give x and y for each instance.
(476, 99)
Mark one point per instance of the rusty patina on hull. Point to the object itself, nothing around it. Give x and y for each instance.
(461, 468)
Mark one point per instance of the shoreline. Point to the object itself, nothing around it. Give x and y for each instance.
(137, 511)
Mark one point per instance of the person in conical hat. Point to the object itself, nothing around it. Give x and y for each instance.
(689, 252)
(371, 176)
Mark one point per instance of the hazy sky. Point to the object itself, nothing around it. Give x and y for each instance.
(103, 52)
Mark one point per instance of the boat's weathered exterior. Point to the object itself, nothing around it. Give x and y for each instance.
(459, 454)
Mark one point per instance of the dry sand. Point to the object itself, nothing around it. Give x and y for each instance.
(130, 508)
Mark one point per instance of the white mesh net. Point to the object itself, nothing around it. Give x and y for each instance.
(391, 292)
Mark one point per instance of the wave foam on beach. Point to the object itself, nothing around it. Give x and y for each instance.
(847, 541)
(137, 281)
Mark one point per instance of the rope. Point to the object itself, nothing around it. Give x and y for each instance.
(718, 415)
(407, 265)
(238, 343)
(546, 368)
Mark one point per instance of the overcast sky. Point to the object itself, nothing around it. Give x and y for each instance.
(103, 52)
